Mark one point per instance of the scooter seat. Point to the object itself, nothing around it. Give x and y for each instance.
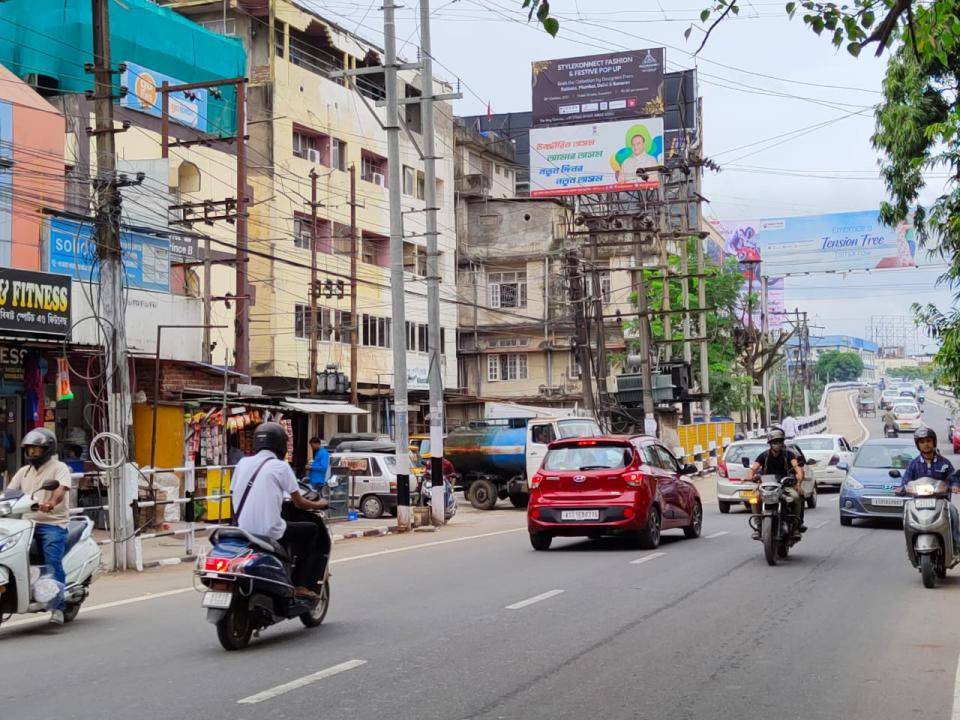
(259, 541)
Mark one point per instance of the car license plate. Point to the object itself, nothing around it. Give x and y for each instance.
(746, 493)
(886, 501)
(928, 503)
(579, 514)
(217, 600)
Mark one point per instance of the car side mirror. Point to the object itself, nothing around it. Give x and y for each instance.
(894, 473)
(855, 448)
(745, 461)
(689, 469)
(843, 466)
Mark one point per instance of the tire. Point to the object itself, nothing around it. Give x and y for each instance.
(769, 538)
(519, 500)
(692, 530)
(371, 507)
(70, 612)
(483, 495)
(234, 629)
(928, 572)
(941, 569)
(313, 619)
(783, 549)
(846, 521)
(650, 535)
(541, 541)
(724, 506)
(812, 500)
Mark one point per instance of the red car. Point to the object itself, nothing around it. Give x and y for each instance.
(610, 486)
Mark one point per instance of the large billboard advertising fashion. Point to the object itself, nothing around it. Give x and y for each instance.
(594, 88)
(598, 158)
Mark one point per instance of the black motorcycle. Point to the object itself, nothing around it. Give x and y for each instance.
(773, 520)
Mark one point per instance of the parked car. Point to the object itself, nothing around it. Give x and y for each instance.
(829, 451)
(590, 487)
(372, 475)
(907, 416)
(888, 397)
(872, 478)
(732, 487)
(955, 438)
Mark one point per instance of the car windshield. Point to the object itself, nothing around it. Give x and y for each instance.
(814, 444)
(735, 453)
(895, 457)
(578, 428)
(596, 457)
(906, 408)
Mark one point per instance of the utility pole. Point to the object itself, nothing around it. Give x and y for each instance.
(597, 309)
(643, 314)
(112, 304)
(665, 302)
(805, 364)
(572, 264)
(242, 316)
(401, 423)
(314, 290)
(765, 329)
(702, 304)
(435, 374)
(355, 336)
(685, 300)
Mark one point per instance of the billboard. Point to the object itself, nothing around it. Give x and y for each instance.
(34, 303)
(143, 94)
(838, 242)
(597, 158)
(71, 250)
(593, 88)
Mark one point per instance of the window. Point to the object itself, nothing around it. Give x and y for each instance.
(375, 470)
(415, 259)
(411, 112)
(510, 342)
(375, 332)
(507, 366)
(507, 289)
(338, 154)
(279, 38)
(310, 145)
(421, 186)
(542, 434)
(573, 369)
(498, 169)
(301, 321)
(373, 168)
(326, 327)
(375, 249)
(604, 285)
(229, 27)
(667, 461)
(343, 327)
(409, 177)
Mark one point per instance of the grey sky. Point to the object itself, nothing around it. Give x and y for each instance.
(761, 77)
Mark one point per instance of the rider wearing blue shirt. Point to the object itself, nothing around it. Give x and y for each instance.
(930, 463)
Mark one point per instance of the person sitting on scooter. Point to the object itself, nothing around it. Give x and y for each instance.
(260, 484)
(779, 461)
(40, 448)
(930, 463)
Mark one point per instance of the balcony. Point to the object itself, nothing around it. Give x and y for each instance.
(474, 185)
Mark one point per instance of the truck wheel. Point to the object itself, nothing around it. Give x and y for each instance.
(519, 500)
(483, 495)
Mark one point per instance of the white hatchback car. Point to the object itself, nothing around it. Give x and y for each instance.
(907, 416)
(732, 488)
(829, 451)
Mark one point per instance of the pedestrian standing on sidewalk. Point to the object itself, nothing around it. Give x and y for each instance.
(789, 427)
(319, 463)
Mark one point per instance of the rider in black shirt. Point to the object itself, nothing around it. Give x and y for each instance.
(778, 460)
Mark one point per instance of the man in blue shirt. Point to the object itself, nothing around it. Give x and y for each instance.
(930, 463)
(320, 463)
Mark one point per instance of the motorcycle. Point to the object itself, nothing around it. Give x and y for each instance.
(773, 520)
(890, 431)
(424, 495)
(21, 562)
(248, 587)
(927, 529)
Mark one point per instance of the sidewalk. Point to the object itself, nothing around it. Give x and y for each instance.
(842, 418)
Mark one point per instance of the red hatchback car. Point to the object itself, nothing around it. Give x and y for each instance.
(610, 486)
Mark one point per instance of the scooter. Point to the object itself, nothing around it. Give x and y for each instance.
(890, 431)
(927, 529)
(248, 587)
(449, 495)
(19, 552)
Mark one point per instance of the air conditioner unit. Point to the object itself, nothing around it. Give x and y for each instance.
(313, 156)
(379, 179)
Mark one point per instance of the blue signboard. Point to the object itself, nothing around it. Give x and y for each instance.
(143, 94)
(71, 251)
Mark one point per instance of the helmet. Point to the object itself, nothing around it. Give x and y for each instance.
(270, 436)
(776, 434)
(923, 433)
(43, 439)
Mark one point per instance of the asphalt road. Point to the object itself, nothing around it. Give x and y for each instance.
(484, 627)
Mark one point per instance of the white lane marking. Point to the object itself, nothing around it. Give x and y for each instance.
(821, 525)
(955, 715)
(716, 535)
(300, 682)
(44, 617)
(535, 599)
(647, 558)
(856, 416)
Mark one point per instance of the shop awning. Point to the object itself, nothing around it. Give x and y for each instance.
(323, 407)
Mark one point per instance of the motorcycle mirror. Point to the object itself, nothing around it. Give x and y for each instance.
(50, 485)
(894, 473)
(745, 461)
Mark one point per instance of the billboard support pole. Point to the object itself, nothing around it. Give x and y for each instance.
(765, 325)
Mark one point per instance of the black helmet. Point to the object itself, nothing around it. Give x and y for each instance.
(43, 439)
(270, 436)
(776, 434)
(922, 433)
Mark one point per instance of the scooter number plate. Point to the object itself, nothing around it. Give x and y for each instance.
(926, 503)
(217, 600)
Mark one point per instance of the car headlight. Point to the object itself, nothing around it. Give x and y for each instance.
(8, 542)
(851, 483)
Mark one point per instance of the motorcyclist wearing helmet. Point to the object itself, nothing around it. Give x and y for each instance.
(930, 463)
(40, 450)
(259, 487)
(779, 461)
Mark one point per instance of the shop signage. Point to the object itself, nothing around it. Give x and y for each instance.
(33, 303)
(143, 94)
(11, 363)
(616, 86)
(72, 251)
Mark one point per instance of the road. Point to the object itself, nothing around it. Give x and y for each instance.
(480, 626)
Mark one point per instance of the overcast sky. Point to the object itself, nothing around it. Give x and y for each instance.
(786, 115)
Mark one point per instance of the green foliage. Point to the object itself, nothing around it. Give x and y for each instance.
(945, 327)
(839, 366)
(913, 372)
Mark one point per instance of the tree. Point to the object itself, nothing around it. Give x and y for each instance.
(839, 366)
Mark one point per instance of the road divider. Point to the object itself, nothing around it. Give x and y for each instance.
(300, 682)
(647, 558)
(535, 599)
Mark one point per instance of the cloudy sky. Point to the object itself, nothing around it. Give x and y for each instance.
(786, 115)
